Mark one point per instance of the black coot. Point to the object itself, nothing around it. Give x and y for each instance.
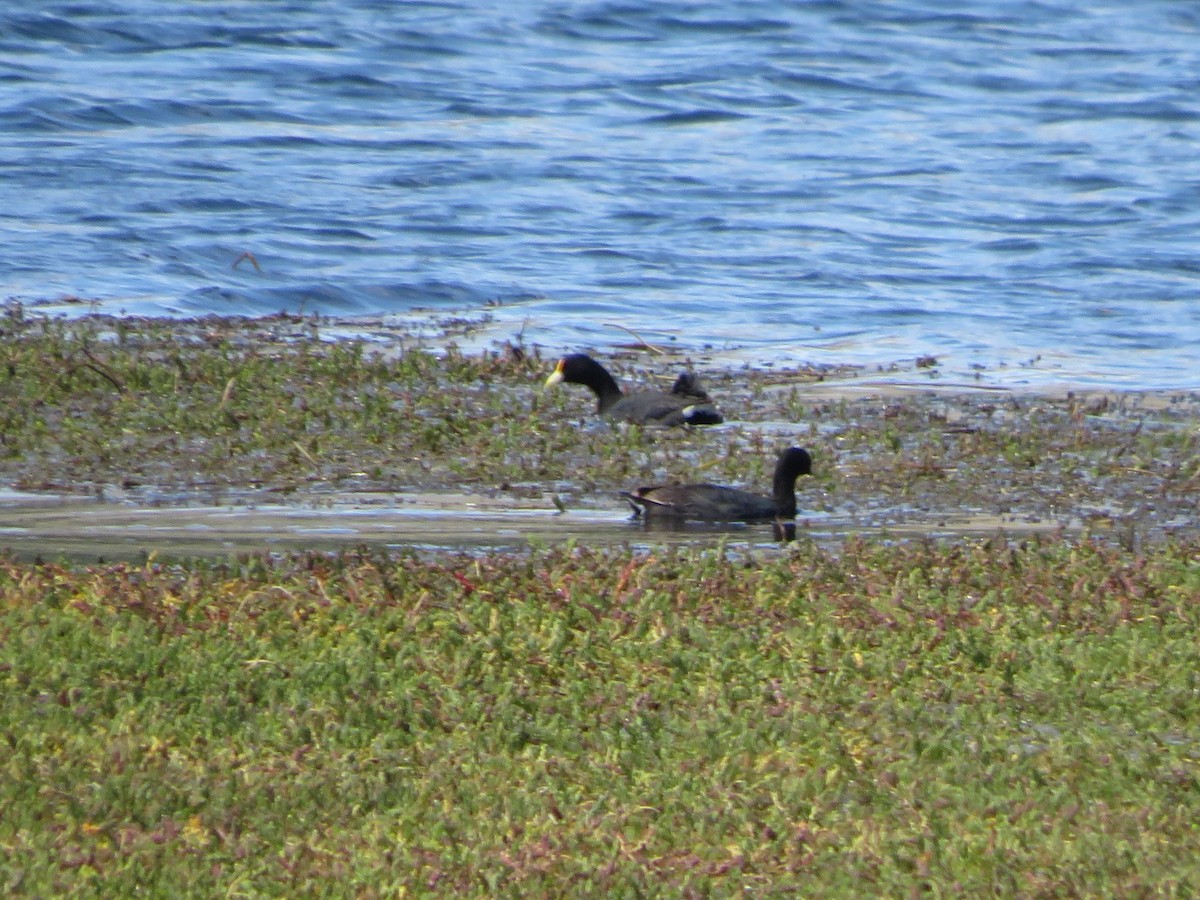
(713, 503)
(686, 404)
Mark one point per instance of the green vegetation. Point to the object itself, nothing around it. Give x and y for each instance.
(877, 718)
(152, 408)
(978, 719)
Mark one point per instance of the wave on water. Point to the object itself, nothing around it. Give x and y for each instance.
(784, 181)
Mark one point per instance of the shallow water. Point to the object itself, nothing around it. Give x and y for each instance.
(1012, 187)
(86, 530)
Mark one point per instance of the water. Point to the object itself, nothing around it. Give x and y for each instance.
(1006, 185)
(86, 530)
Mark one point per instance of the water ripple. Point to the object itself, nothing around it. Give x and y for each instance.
(818, 182)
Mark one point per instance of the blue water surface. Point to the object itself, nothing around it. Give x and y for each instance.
(994, 183)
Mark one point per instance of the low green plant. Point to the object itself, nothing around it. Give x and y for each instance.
(975, 718)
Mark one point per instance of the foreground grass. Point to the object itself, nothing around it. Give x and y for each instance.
(985, 718)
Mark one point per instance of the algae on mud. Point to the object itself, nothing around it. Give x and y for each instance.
(267, 411)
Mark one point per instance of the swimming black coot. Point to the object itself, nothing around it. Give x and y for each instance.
(713, 503)
(686, 404)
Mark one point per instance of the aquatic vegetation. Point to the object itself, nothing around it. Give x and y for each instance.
(149, 408)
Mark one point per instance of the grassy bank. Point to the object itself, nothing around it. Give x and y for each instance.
(1019, 719)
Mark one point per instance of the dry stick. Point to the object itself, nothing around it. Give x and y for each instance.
(96, 367)
(227, 393)
(643, 341)
(304, 452)
(100, 368)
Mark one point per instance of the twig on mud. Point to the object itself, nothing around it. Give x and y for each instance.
(102, 370)
(227, 394)
(646, 344)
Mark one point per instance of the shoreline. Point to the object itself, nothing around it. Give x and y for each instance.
(149, 414)
(477, 330)
(881, 703)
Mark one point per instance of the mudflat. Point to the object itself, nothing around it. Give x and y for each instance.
(219, 435)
